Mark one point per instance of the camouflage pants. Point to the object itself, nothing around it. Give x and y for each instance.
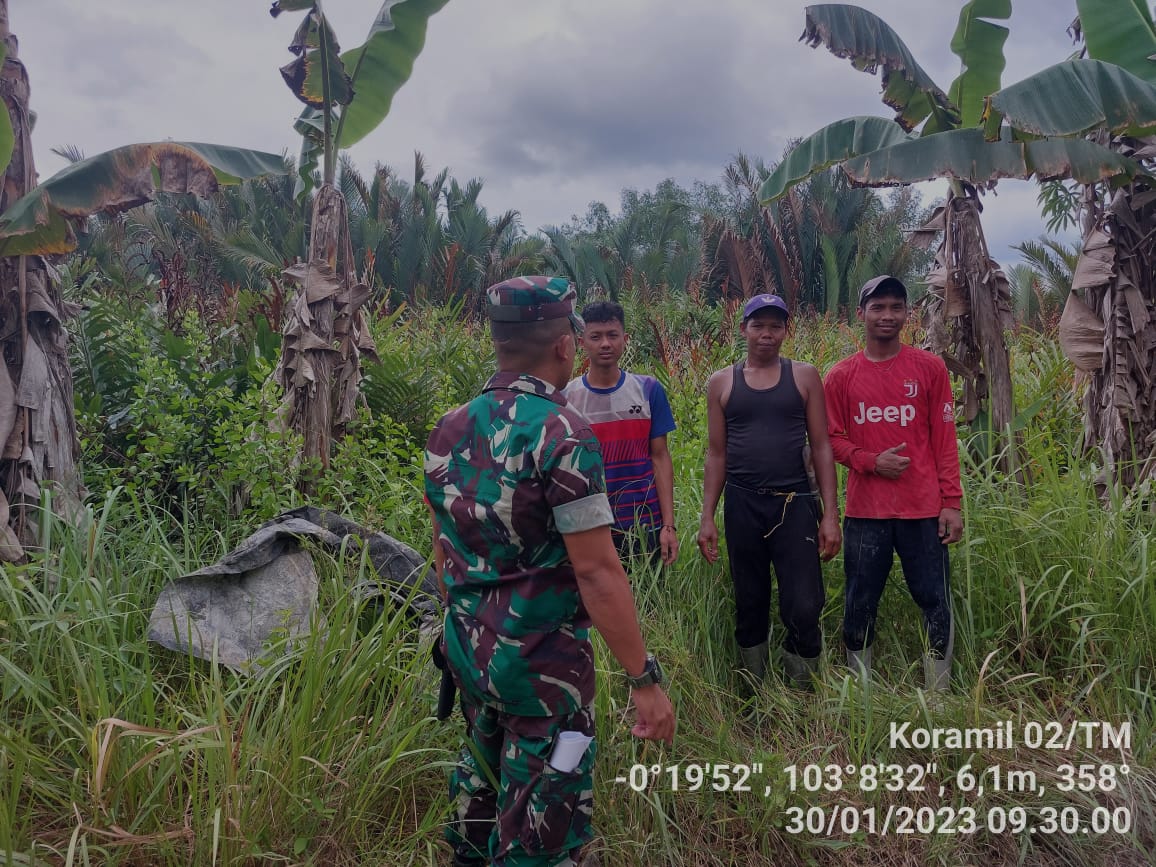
(509, 805)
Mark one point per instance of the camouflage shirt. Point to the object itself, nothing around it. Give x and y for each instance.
(507, 474)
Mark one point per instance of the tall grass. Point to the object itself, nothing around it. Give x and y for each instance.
(115, 751)
(118, 752)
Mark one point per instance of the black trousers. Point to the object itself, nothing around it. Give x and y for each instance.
(779, 529)
(869, 546)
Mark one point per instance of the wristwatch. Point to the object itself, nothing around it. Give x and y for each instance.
(651, 674)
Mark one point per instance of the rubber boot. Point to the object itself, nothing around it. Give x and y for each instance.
(754, 661)
(859, 661)
(936, 671)
(800, 670)
(466, 855)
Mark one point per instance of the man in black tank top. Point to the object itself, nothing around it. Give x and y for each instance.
(762, 413)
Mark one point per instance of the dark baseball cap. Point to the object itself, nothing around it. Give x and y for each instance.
(876, 283)
(762, 302)
(533, 299)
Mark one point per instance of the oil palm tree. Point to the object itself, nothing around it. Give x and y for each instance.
(1042, 287)
(431, 239)
(815, 243)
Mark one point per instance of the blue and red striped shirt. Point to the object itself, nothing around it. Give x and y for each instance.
(625, 418)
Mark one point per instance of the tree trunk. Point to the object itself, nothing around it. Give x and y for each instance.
(37, 423)
(966, 317)
(1117, 273)
(325, 335)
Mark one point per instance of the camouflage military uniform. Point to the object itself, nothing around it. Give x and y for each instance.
(506, 475)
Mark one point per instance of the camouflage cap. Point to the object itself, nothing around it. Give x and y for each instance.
(533, 299)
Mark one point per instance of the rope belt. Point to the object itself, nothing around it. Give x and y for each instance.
(788, 498)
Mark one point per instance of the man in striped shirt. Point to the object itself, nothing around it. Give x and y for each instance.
(630, 415)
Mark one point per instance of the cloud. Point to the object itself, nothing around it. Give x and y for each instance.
(128, 72)
(1012, 216)
(107, 57)
(646, 92)
(554, 103)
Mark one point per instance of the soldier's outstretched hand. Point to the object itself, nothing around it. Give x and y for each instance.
(655, 714)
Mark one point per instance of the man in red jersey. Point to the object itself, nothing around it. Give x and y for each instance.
(891, 416)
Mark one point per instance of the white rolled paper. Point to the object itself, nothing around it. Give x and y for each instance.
(568, 750)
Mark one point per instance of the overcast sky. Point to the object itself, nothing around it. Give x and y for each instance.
(553, 103)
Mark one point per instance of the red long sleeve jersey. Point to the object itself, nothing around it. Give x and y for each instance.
(873, 406)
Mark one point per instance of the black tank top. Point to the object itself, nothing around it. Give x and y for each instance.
(766, 432)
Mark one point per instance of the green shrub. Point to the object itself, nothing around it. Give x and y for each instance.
(331, 756)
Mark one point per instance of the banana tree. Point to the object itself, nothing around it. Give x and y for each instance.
(1109, 330)
(968, 305)
(37, 424)
(346, 96)
(34, 359)
(961, 139)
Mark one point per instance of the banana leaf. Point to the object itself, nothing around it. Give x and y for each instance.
(317, 77)
(1120, 32)
(7, 135)
(377, 69)
(1077, 96)
(834, 143)
(869, 42)
(120, 179)
(964, 154)
(978, 43)
(380, 66)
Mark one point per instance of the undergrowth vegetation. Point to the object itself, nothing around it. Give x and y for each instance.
(117, 751)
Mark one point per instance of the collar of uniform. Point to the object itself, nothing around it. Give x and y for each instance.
(511, 381)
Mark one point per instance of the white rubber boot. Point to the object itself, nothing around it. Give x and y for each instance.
(936, 671)
(859, 661)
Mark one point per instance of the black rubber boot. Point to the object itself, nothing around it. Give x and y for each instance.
(801, 670)
(466, 855)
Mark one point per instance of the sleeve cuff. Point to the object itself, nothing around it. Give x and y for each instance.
(587, 513)
(952, 503)
(865, 461)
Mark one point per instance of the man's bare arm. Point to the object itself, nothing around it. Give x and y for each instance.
(714, 469)
(823, 458)
(664, 482)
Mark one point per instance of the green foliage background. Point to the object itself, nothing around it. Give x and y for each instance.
(115, 751)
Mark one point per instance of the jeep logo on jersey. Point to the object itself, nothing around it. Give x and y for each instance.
(874, 414)
(910, 387)
(635, 409)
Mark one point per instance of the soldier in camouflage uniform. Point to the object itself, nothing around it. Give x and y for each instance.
(522, 544)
